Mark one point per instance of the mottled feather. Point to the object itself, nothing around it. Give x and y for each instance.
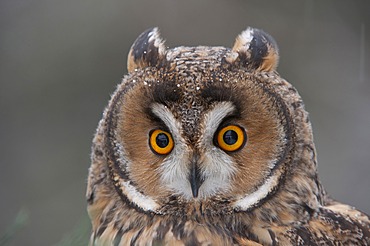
(265, 193)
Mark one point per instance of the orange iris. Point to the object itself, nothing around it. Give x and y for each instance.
(231, 138)
(161, 142)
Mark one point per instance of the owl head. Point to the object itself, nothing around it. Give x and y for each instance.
(202, 127)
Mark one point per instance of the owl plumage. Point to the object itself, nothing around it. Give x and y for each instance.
(210, 146)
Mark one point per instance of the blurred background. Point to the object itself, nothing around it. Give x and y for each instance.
(61, 60)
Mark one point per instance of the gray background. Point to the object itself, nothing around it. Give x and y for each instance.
(60, 61)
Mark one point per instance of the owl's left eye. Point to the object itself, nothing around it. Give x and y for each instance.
(160, 142)
(231, 138)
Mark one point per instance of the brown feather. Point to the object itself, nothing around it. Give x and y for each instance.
(266, 193)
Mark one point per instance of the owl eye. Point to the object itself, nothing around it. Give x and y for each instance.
(231, 138)
(160, 142)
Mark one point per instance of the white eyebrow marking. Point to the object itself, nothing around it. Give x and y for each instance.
(168, 118)
(214, 117)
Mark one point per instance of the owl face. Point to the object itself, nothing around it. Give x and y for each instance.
(187, 125)
(210, 146)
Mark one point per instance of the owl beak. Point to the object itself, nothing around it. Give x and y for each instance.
(195, 178)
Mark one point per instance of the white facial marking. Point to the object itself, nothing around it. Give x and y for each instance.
(174, 170)
(144, 202)
(217, 166)
(249, 200)
(167, 117)
(213, 119)
(216, 171)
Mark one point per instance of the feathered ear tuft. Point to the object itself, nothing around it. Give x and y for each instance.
(255, 49)
(148, 50)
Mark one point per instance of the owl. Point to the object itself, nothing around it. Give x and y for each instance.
(210, 146)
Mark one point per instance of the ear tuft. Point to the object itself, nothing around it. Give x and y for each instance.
(256, 50)
(148, 50)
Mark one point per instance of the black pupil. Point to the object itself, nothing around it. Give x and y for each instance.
(230, 137)
(162, 140)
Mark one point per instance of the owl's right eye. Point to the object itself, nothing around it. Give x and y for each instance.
(160, 142)
(231, 138)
